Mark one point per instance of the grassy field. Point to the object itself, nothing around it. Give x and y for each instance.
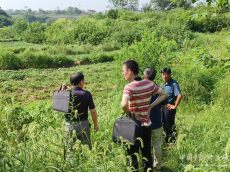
(33, 137)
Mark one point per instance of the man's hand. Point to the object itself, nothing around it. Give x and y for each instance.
(96, 128)
(63, 86)
(170, 107)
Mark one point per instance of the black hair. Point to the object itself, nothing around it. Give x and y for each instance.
(132, 65)
(150, 73)
(76, 78)
(166, 70)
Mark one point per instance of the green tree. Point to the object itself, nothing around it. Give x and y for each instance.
(161, 4)
(169, 4)
(35, 33)
(41, 11)
(146, 7)
(131, 5)
(112, 13)
(5, 19)
(219, 3)
(29, 17)
(20, 26)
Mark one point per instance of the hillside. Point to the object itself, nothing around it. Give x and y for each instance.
(4, 19)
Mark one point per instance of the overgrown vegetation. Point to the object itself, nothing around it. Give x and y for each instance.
(194, 44)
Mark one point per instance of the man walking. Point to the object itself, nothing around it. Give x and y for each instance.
(155, 117)
(136, 99)
(81, 101)
(174, 98)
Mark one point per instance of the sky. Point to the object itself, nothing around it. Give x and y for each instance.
(97, 5)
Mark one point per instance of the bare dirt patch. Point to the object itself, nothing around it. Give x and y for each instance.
(34, 98)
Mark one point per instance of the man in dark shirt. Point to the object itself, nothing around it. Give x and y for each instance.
(171, 87)
(78, 118)
(155, 117)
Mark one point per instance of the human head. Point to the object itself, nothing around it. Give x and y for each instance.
(166, 74)
(76, 79)
(130, 69)
(150, 73)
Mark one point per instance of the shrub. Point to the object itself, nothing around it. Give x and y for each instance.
(126, 32)
(109, 46)
(112, 13)
(128, 15)
(209, 23)
(41, 60)
(61, 60)
(8, 60)
(16, 50)
(102, 57)
(173, 30)
(87, 31)
(58, 34)
(6, 33)
(34, 60)
(35, 33)
(20, 26)
(150, 52)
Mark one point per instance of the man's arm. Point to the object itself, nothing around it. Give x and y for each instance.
(178, 100)
(94, 117)
(162, 96)
(125, 105)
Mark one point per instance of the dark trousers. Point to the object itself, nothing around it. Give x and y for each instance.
(82, 129)
(168, 121)
(146, 150)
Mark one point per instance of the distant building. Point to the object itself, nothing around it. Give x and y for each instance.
(92, 11)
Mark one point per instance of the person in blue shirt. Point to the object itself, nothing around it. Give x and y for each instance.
(156, 127)
(171, 87)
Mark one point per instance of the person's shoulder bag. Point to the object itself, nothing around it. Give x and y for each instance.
(127, 128)
(61, 100)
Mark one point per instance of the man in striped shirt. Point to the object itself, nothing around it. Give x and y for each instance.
(136, 99)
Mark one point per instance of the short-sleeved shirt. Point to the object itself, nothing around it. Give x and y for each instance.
(139, 93)
(155, 114)
(172, 89)
(82, 100)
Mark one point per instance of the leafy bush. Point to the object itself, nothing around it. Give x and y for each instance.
(112, 13)
(87, 31)
(126, 32)
(173, 30)
(102, 57)
(197, 76)
(16, 117)
(20, 26)
(61, 60)
(35, 33)
(109, 46)
(151, 51)
(128, 15)
(6, 33)
(33, 60)
(209, 22)
(8, 60)
(57, 34)
(17, 50)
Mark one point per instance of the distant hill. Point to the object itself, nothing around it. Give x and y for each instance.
(4, 19)
(3, 13)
